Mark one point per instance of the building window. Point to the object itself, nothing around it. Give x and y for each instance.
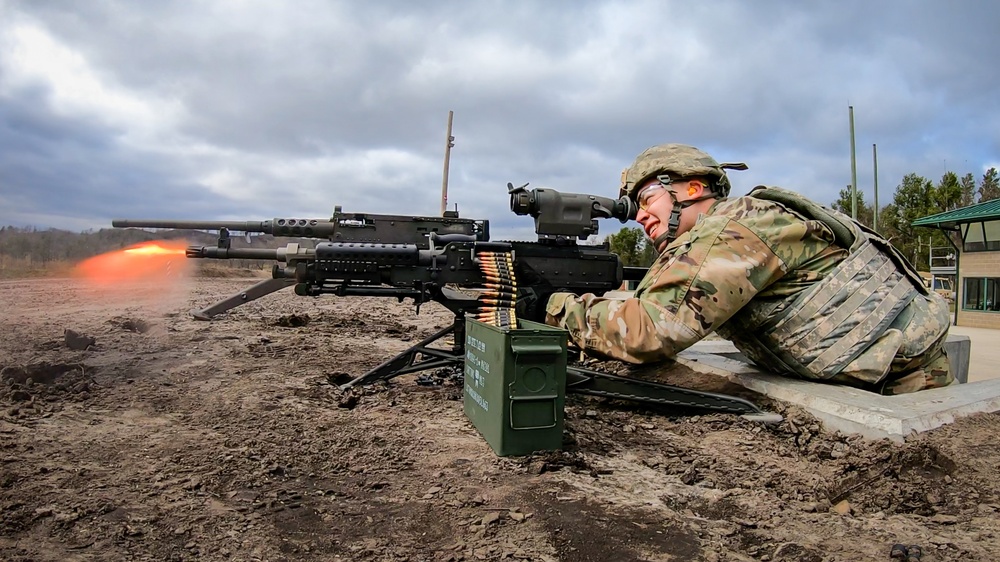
(981, 236)
(981, 293)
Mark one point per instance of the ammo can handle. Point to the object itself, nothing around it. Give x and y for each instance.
(555, 414)
(527, 345)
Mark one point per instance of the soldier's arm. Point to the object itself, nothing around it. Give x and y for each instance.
(702, 279)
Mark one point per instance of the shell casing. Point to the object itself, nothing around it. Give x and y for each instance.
(495, 277)
(502, 313)
(491, 255)
(500, 286)
(512, 291)
(500, 302)
(499, 262)
(487, 308)
(501, 293)
(498, 270)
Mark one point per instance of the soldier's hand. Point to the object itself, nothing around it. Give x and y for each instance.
(531, 302)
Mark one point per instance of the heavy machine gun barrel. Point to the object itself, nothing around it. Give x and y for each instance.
(306, 228)
(341, 227)
(216, 253)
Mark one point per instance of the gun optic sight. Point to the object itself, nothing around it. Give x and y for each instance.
(567, 214)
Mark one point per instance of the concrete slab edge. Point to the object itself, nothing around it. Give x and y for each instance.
(850, 410)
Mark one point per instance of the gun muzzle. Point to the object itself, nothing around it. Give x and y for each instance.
(216, 253)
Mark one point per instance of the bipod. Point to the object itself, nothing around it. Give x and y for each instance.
(596, 383)
(254, 292)
(429, 357)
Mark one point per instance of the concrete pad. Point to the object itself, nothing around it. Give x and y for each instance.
(846, 409)
(985, 355)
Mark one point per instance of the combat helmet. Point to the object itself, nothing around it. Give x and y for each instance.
(678, 161)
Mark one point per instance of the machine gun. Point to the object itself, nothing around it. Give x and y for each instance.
(444, 260)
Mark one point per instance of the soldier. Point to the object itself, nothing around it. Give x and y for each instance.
(800, 289)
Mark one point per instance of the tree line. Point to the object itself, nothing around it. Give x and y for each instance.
(915, 197)
(31, 248)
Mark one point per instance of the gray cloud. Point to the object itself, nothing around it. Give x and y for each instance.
(253, 109)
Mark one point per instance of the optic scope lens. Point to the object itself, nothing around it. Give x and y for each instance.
(523, 203)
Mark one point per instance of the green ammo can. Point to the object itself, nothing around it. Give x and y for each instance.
(515, 385)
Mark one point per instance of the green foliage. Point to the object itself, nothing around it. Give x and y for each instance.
(917, 197)
(968, 185)
(910, 202)
(866, 213)
(989, 188)
(632, 248)
(947, 196)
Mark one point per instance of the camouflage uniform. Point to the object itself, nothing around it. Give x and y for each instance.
(800, 289)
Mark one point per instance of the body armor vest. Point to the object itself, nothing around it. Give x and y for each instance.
(817, 332)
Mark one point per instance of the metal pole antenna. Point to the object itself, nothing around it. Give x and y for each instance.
(448, 143)
(854, 169)
(875, 166)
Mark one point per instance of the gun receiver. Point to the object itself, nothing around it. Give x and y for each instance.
(429, 258)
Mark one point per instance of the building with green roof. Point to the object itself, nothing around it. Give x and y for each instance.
(977, 264)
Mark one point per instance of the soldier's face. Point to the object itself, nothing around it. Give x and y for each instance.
(655, 205)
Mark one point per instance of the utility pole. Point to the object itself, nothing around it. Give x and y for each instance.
(854, 169)
(448, 144)
(875, 166)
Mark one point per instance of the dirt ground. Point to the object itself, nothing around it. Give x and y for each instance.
(173, 439)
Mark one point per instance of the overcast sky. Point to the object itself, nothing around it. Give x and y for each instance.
(252, 109)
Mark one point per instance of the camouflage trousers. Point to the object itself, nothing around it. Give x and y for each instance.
(934, 374)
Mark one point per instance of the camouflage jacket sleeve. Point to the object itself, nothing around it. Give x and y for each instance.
(698, 282)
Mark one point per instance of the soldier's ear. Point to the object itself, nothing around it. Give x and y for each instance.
(695, 188)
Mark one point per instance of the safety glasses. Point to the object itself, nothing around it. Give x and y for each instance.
(653, 191)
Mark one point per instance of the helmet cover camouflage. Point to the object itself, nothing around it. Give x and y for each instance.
(678, 160)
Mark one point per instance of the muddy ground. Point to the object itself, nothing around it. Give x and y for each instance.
(173, 439)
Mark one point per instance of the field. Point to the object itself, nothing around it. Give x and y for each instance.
(173, 439)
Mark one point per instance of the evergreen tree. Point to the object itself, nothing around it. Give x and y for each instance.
(915, 198)
(947, 195)
(968, 184)
(989, 188)
(866, 213)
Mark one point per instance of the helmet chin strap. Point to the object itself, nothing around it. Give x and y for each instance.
(674, 222)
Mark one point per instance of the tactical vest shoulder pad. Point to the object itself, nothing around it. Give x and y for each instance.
(844, 229)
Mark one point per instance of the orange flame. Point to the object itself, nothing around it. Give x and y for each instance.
(159, 261)
(153, 248)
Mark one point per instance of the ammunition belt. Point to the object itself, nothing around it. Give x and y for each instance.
(500, 297)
